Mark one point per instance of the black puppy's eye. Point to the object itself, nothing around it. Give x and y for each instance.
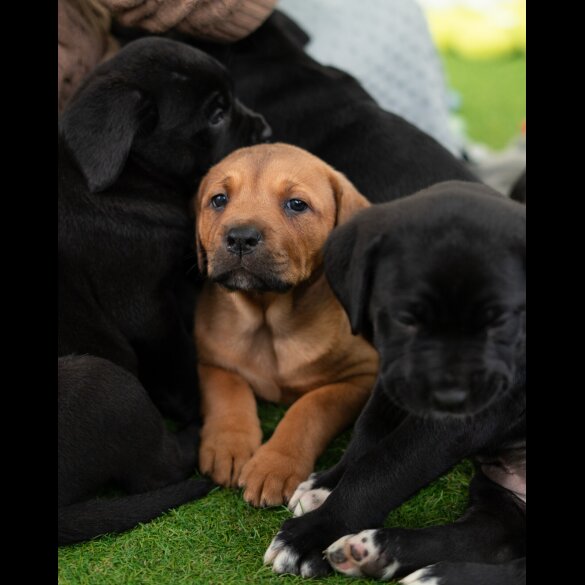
(296, 205)
(219, 201)
(493, 317)
(218, 110)
(406, 319)
(217, 117)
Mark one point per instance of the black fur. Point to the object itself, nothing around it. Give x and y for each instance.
(518, 192)
(110, 434)
(437, 282)
(133, 144)
(327, 112)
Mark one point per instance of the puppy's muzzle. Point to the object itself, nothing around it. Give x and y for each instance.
(242, 240)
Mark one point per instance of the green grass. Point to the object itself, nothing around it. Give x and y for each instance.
(220, 540)
(493, 96)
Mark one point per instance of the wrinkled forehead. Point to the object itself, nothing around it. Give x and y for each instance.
(268, 172)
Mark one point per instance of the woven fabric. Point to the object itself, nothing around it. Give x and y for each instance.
(217, 20)
(83, 41)
(386, 45)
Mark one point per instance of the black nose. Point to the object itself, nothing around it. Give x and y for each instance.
(449, 398)
(242, 240)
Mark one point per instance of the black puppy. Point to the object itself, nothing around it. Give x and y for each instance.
(133, 145)
(110, 434)
(327, 112)
(437, 282)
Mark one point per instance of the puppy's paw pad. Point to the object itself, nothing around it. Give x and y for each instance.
(421, 577)
(310, 501)
(302, 488)
(337, 555)
(358, 555)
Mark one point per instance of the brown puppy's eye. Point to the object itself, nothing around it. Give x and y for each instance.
(219, 201)
(296, 205)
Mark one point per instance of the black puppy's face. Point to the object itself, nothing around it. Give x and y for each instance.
(167, 106)
(441, 292)
(449, 324)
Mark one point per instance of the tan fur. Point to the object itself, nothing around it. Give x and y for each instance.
(283, 347)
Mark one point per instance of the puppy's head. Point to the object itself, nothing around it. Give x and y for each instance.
(264, 213)
(166, 105)
(437, 282)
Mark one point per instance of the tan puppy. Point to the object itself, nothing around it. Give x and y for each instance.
(267, 323)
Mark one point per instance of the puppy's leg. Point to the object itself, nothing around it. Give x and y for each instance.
(377, 420)
(231, 429)
(379, 481)
(277, 468)
(491, 531)
(445, 573)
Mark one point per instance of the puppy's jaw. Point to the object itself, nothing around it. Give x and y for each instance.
(259, 271)
(241, 279)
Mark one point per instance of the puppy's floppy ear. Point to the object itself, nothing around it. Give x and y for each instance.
(99, 127)
(201, 256)
(201, 251)
(350, 258)
(348, 200)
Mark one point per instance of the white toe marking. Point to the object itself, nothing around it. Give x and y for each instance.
(310, 501)
(275, 546)
(303, 487)
(389, 571)
(306, 570)
(285, 561)
(420, 577)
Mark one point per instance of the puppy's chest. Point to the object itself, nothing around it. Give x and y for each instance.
(280, 358)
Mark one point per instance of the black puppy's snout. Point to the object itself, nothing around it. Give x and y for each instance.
(242, 240)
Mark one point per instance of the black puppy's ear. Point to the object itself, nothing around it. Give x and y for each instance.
(99, 127)
(350, 257)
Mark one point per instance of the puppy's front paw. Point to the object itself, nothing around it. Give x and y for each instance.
(298, 547)
(270, 477)
(285, 558)
(423, 576)
(361, 555)
(306, 499)
(223, 453)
